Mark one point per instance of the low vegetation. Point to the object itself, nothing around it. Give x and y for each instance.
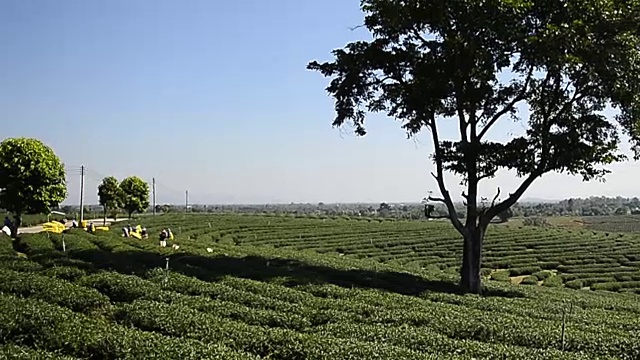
(286, 287)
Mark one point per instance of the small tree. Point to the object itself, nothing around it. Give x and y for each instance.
(474, 64)
(505, 215)
(110, 195)
(135, 195)
(32, 178)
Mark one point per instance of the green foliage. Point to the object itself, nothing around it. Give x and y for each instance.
(541, 275)
(575, 284)
(505, 215)
(60, 292)
(530, 280)
(552, 281)
(535, 221)
(427, 61)
(608, 286)
(48, 327)
(524, 270)
(272, 293)
(135, 195)
(501, 275)
(110, 195)
(32, 177)
(473, 63)
(15, 352)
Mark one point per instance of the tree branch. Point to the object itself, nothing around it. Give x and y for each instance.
(431, 123)
(521, 96)
(462, 121)
(440, 200)
(542, 165)
(513, 197)
(493, 202)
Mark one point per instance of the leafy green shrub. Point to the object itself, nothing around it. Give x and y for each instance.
(549, 265)
(119, 287)
(34, 244)
(55, 291)
(608, 286)
(530, 280)
(64, 272)
(35, 323)
(16, 352)
(524, 270)
(574, 284)
(6, 245)
(75, 240)
(541, 275)
(485, 272)
(552, 281)
(18, 264)
(535, 221)
(273, 343)
(501, 275)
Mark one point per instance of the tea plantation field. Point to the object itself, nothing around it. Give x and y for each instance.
(280, 287)
(620, 223)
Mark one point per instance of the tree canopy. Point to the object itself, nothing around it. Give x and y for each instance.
(479, 63)
(135, 195)
(110, 195)
(32, 177)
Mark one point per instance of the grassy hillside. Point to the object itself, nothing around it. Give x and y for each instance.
(248, 287)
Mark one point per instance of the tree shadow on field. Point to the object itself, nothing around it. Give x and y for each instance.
(296, 272)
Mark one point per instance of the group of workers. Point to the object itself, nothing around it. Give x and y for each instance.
(138, 232)
(141, 233)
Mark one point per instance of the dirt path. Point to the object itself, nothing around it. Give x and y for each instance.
(37, 229)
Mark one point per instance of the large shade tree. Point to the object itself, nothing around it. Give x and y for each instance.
(32, 178)
(476, 64)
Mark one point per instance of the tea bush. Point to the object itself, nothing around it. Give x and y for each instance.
(296, 287)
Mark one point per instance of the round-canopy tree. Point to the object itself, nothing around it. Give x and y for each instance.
(110, 195)
(477, 63)
(135, 195)
(32, 178)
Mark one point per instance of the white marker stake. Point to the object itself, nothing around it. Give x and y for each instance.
(166, 274)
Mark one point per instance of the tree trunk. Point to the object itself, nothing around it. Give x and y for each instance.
(104, 218)
(472, 260)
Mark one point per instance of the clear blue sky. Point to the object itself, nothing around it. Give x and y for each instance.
(212, 97)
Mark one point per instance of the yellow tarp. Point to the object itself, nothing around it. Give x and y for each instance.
(135, 235)
(54, 227)
(103, 228)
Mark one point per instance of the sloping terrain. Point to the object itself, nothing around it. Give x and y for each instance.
(248, 287)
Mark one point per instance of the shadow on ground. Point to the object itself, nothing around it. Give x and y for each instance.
(212, 268)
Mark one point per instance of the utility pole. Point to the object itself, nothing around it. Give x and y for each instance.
(81, 193)
(153, 187)
(186, 201)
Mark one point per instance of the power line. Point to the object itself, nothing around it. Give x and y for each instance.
(156, 186)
